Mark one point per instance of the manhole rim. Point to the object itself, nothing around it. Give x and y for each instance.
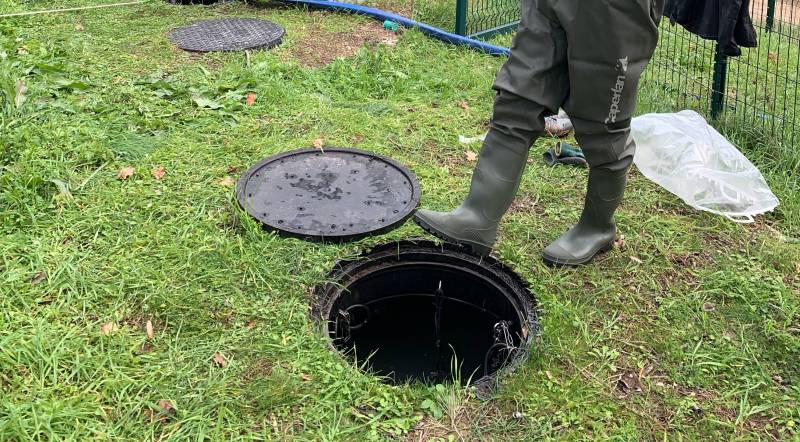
(278, 40)
(325, 294)
(414, 200)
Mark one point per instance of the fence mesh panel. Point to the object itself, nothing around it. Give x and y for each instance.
(758, 89)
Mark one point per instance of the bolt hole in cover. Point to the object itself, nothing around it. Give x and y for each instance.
(336, 194)
(414, 311)
(227, 34)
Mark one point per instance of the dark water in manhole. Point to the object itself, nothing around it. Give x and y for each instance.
(414, 311)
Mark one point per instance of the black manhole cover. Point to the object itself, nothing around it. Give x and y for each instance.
(332, 194)
(415, 311)
(228, 34)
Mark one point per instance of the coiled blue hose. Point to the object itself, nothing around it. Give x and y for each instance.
(382, 15)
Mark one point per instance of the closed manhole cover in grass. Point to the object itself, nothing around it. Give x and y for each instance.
(228, 34)
(337, 194)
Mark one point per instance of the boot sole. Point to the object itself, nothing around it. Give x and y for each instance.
(473, 247)
(559, 262)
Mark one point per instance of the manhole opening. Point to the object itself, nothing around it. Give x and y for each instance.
(415, 311)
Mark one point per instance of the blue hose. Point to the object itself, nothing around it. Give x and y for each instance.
(381, 15)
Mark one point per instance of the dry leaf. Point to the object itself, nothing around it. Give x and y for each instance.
(708, 307)
(463, 104)
(471, 156)
(636, 259)
(219, 360)
(125, 173)
(148, 327)
(318, 143)
(772, 56)
(108, 327)
(159, 172)
(165, 411)
(251, 324)
(620, 242)
(227, 181)
(39, 277)
(232, 169)
(306, 377)
(78, 27)
(251, 98)
(165, 405)
(358, 139)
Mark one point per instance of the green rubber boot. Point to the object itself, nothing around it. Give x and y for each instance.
(494, 184)
(596, 229)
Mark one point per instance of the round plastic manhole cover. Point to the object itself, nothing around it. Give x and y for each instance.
(337, 193)
(228, 34)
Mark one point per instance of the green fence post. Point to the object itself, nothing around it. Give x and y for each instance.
(720, 80)
(461, 17)
(770, 14)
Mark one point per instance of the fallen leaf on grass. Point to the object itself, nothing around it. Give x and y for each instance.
(636, 259)
(620, 242)
(772, 56)
(108, 327)
(145, 348)
(78, 27)
(306, 377)
(251, 324)
(629, 383)
(471, 156)
(219, 360)
(708, 307)
(19, 94)
(125, 173)
(251, 98)
(39, 277)
(358, 139)
(149, 329)
(227, 181)
(159, 172)
(165, 405)
(463, 104)
(318, 143)
(164, 411)
(232, 169)
(207, 103)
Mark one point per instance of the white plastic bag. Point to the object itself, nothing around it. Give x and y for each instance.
(686, 156)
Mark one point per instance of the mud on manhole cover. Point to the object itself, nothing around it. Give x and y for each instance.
(415, 310)
(335, 194)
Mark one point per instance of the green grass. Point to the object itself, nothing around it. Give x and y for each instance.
(703, 312)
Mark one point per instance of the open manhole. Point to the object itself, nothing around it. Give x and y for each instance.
(336, 194)
(228, 34)
(417, 311)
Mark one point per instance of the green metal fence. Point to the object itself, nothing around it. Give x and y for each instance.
(484, 18)
(758, 90)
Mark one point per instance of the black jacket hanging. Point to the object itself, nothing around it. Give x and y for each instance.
(726, 21)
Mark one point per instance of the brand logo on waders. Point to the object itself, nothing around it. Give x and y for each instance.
(619, 86)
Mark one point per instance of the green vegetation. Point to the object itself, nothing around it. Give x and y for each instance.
(691, 329)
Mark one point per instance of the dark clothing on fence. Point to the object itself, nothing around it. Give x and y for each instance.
(726, 21)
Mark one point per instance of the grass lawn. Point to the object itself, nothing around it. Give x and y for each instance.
(689, 330)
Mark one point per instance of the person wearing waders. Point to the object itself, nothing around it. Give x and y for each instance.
(585, 56)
